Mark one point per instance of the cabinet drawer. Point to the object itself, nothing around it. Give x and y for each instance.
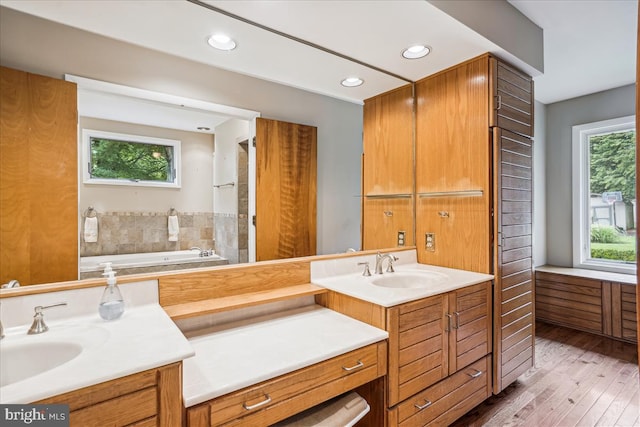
(447, 400)
(281, 397)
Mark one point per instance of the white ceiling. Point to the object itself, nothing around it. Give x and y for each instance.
(589, 45)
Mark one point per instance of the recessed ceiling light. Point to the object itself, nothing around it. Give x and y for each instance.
(203, 128)
(221, 42)
(352, 82)
(416, 51)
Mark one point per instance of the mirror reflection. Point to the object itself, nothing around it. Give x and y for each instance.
(70, 50)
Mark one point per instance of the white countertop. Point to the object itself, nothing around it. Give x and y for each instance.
(629, 279)
(239, 354)
(362, 287)
(143, 338)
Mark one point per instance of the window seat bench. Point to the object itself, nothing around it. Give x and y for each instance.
(593, 301)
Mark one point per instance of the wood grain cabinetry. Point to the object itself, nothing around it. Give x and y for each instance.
(384, 219)
(149, 398)
(597, 306)
(474, 124)
(443, 403)
(38, 178)
(273, 400)
(388, 169)
(431, 340)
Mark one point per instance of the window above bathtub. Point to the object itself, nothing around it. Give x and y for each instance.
(120, 159)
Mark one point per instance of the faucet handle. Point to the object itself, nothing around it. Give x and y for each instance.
(38, 326)
(366, 271)
(390, 268)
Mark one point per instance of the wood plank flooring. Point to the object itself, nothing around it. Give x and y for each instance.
(579, 379)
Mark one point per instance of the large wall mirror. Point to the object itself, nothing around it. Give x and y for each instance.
(298, 82)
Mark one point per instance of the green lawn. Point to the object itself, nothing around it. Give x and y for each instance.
(625, 250)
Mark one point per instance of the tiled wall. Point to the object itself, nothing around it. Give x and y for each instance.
(227, 236)
(140, 232)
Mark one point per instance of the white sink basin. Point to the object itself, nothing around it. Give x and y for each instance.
(29, 359)
(25, 356)
(408, 280)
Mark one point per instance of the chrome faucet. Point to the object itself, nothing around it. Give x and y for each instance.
(380, 259)
(38, 326)
(202, 252)
(11, 284)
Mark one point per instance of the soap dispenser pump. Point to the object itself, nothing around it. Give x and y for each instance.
(111, 304)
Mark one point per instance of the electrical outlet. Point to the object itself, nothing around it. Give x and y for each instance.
(401, 235)
(430, 242)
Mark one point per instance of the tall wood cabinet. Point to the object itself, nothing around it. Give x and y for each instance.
(474, 124)
(38, 178)
(388, 170)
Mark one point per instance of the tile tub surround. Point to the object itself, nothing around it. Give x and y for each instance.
(141, 232)
(144, 330)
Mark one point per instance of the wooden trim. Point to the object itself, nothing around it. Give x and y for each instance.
(364, 311)
(233, 302)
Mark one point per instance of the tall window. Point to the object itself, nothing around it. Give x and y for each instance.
(604, 195)
(118, 159)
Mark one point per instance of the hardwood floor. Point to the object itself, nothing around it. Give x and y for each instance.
(578, 379)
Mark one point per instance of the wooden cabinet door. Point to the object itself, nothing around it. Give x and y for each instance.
(513, 350)
(388, 143)
(460, 227)
(512, 100)
(418, 347)
(471, 325)
(38, 179)
(452, 129)
(286, 176)
(383, 219)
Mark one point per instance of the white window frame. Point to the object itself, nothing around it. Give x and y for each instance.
(87, 134)
(580, 196)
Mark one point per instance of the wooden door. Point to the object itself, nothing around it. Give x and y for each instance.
(286, 178)
(38, 179)
(452, 129)
(514, 320)
(388, 143)
(471, 325)
(512, 100)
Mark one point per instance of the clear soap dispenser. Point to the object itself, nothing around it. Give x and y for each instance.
(111, 304)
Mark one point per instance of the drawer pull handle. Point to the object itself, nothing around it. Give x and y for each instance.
(257, 405)
(427, 403)
(476, 374)
(356, 366)
(457, 325)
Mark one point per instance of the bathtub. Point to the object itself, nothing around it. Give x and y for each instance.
(147, 262)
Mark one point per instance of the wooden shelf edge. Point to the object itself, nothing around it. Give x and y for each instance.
(217, 305)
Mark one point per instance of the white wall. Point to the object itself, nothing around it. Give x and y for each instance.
(561, 116)
(539, 185)
(228, 134)
(197, 169)
(42, 47)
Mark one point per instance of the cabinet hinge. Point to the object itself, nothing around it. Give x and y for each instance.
(253, 141)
